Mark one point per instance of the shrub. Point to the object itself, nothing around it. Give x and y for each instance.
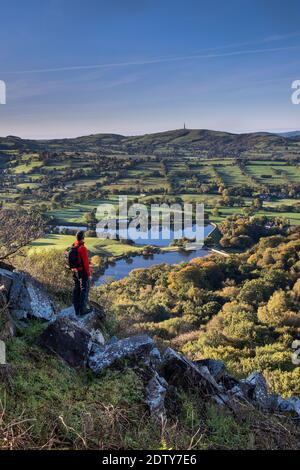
(48, 267)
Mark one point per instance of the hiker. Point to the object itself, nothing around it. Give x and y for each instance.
(82, 277)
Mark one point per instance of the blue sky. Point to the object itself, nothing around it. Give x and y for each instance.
(75, 67)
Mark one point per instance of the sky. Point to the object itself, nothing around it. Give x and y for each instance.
(78, 67)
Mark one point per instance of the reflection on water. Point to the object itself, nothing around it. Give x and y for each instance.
(122, 267)
(157, 236)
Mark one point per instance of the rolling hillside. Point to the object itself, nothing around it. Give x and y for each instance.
(211, 142)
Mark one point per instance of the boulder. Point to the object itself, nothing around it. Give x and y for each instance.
(289, 405)
(19, 300)
(18, 296)
(180, 371)
(68, 312)
(90, 322)
(154, 359)
(25, 296)
(216, 368)
(97, 337)
(258, 390)
(241, 391)
(254, 390)
(112, 340)
(156, 390)
(67, 339)
(136, 349)
(229, 382)
(3, 297)
(41, 306)
(221, 399)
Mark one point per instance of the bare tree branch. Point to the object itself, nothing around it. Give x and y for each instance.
(18, 229)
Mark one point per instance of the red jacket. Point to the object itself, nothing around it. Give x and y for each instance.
(84, 256)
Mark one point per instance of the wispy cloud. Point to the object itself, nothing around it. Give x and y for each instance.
(214, 54)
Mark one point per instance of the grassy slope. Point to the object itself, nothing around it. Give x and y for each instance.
(47, 405)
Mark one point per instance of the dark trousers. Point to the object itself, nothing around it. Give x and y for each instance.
(80, 292)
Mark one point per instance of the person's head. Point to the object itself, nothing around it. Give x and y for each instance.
(80, 235)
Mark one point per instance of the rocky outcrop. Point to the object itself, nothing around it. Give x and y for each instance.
(41, 305)
(156, 390)
(290, 406)
(93, 322)
(81, 342)
(216, 367)
(136, 349)
(67, 339)
(178, 370)
(258, 392)
(25, 297)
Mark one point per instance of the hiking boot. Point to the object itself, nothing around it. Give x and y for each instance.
(89, 310)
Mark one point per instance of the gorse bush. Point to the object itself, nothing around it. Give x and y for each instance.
(242, 309)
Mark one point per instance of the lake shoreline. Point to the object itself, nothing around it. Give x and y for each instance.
(176, 253)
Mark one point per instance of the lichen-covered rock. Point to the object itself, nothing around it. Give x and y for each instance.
(216, 367)
(180, 371)
(254, 390)
(25, 297)
(137, 349)
(258, 390)
(68, 312)
(97, 337)
(112, 340)
(221, 399)
(289, 405)
(67, 339)
(154, 359)
(239, 391)
(18, 296)
(156, 390)
(90, 322)
(41, 306)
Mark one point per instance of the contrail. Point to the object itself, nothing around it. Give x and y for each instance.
(157, 60)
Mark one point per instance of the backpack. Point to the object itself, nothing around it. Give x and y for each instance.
(72, 258)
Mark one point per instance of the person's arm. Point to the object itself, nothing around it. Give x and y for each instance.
(85, 260)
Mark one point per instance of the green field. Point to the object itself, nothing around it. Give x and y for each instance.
(68, 185)
(95, 246)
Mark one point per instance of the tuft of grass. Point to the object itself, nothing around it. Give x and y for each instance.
(227, 433)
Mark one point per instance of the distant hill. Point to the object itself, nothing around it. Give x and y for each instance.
(290, 134)
(191, 140)
(90, 142)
